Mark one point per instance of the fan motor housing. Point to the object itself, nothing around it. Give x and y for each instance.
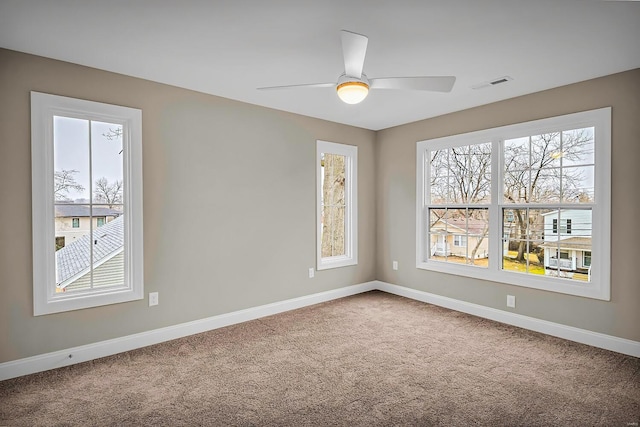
(349, 79)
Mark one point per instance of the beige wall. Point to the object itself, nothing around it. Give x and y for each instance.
(229, 206)
(229, 201)
(396, 205)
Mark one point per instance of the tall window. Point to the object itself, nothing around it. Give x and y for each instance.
(86, 157)
(531, 199)
(336, 174)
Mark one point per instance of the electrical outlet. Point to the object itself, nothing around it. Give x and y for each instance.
(395, 265)
(153, 298)
(511, 301)
(311, 273)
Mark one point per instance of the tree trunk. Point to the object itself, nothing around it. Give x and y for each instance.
(333, 212)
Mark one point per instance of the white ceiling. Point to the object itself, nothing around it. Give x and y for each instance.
(231, 47)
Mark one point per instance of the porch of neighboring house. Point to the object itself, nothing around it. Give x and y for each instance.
(570, 258)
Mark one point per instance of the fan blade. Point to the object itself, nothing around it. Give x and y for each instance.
(434, 84)
(313, 85)
(354, 49)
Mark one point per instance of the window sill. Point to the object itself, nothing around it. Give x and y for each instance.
(593, 289)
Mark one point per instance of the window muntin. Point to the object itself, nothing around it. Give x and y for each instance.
(537, 170)
(336, 169)
(75, 145)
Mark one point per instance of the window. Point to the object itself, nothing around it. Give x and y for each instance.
(337, 201)
(80, 148)
(531, 200)
(459, 240)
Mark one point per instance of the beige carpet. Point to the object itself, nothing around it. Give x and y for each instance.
(371, 359)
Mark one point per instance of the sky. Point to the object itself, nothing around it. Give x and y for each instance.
(75, 148)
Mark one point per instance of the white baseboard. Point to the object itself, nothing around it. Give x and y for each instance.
(58, 359)
(595, 339)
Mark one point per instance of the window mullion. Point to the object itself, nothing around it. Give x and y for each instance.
(495, 217)
(91, 240)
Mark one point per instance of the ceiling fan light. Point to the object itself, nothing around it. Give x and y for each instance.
(352, 92)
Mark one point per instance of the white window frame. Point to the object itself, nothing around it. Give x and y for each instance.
(43, 108)
(351, 209)
(600, 285)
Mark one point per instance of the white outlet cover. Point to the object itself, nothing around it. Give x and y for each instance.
(311, 273)
(395, 265)
(153, 299)
(511, 301)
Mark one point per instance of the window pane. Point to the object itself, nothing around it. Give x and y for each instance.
(461, 174)
(108, 249)
(73, 264)
(71, 159)
(516, 154)
(546, 150)
(564, 250)
(459, 236)
(578, 184)
(479, 190)
(516, 170)
(439, 176)
(578, 147)
(545, 186)
(536, 219)
(516, 185)
(439, 247)
(523, 234)
(439, 190)
(106, 163)
(478, 237)
(333, 205)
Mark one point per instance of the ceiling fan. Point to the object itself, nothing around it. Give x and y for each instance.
(353, 85)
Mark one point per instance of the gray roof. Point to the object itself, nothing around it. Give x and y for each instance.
(74, 258)
(579, 243)
(73, 210)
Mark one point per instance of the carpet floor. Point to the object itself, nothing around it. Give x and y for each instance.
(372, 359)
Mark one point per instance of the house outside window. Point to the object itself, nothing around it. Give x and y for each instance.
(337, 203)
(532, 199)
(82, 152)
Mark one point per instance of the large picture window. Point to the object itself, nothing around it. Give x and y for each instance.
(336, 175)
(87, 203)
(526, 204)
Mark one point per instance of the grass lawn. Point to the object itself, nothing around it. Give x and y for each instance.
(508, 263)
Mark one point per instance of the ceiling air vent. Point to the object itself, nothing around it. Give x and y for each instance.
(493, 82)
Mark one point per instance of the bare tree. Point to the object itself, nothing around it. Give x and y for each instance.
(63, 182)
(108, 193)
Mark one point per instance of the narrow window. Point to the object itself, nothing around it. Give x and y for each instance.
(336, 172)
(82, 151)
